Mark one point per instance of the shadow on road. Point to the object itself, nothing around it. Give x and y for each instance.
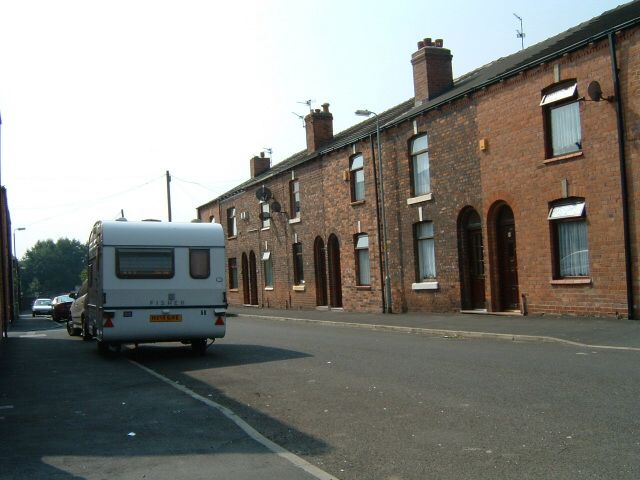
(66, 411)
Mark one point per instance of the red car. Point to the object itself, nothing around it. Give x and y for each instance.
(61, 307)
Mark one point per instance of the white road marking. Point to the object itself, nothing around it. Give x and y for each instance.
(248, 429)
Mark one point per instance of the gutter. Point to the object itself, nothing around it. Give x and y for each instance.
(623, 177)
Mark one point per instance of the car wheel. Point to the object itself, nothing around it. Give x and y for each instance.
(107, 348)
(86, 334)
(33, 314)
(199, 346)
(70, 330)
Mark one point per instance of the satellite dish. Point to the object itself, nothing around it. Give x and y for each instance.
(594, 91)
(276, 207)
(263, 194)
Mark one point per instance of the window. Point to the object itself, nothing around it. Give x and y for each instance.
(199, 264)
(425, 251)
(144, 262)
(569, 232)
(233, 273)
(232, 226)
(420, 181)
(356, 174)
(294, 196)
(268, 269)
(363, 271)
(265, 214)
(562, 119)
(298, 272)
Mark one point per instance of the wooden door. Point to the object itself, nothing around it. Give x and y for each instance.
(335, 275)
(507, 259)
(475, 268)
(320, 264)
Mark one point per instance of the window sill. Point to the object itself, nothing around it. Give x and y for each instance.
(420, 198)
(572, 281)
(268, 289)
(232, 237)
(234, 290)
(560, 158)
(357, 202)
(294, 220)
(424, 286)
(265, 228)
(298, 288)
(363, 287)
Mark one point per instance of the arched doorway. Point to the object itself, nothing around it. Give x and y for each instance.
(245, 279)
(253, 279)
(471, 258)
(335, 275)
(506, 255)
(320, 265)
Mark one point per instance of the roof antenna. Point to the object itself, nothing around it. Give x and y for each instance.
(308, 104)
(520, 33)
(269, 150)
(301, 117)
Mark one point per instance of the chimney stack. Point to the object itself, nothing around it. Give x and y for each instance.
(259, 165)
(319, 126)
(432, 71)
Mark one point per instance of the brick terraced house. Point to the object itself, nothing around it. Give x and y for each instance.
(510, 189)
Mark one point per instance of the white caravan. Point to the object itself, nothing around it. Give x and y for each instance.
(156, 282)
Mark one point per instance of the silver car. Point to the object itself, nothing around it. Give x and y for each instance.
(76, 324)
(42, 306)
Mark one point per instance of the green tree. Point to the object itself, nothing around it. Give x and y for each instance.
(51, 268)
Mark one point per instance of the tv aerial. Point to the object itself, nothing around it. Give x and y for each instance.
(520, 33)
(307, 103)
(301, 117)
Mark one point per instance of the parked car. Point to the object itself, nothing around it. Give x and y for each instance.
(61, 305)
(76, 324)
(42, 306)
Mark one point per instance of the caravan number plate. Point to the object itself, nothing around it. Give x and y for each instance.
(165, 318)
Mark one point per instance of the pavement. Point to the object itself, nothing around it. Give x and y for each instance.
(592, 332)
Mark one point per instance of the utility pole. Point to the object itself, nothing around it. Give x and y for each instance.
(169, 194)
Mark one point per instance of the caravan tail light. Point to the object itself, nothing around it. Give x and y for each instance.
(220, 320)
(107, 321)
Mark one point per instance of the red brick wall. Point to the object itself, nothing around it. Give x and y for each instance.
(326, 209)
(455, 184)
(514, 171)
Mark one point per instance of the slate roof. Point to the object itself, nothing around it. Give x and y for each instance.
(619, 18)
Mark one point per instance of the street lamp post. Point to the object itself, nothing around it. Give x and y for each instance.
(15, 255)
(385, 246)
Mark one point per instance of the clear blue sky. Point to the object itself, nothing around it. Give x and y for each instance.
(99, 98)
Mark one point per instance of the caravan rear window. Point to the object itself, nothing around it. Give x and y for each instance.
(199, 263)
(144, 262)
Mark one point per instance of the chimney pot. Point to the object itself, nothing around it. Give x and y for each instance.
(319, 128)
(259, 165)
(432, 71)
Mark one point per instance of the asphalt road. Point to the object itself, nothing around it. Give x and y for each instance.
(379, 405)
(68, 413)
